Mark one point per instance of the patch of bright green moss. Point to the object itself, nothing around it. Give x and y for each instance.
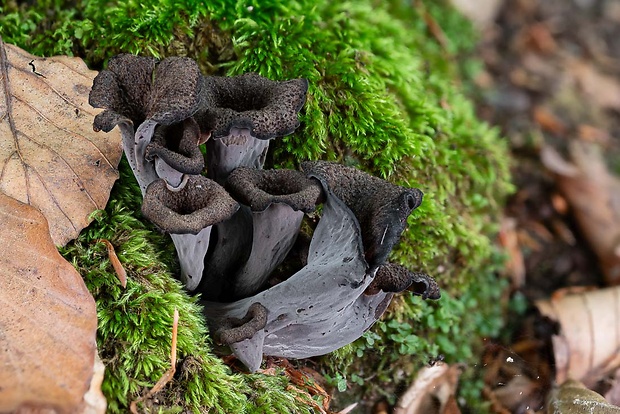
(135, 323)
(384, 96)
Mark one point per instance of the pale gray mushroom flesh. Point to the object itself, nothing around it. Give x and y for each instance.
(332, 300)
(228, 247)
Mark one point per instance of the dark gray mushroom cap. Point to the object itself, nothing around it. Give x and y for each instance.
(267, 108)
(381, 207)
(258, 189)
(177, 145)
(393, 278)
(237, 330)
(198, 204)
(139, 88)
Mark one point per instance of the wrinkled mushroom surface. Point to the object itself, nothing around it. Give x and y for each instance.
(382, 208)
(123, 90)
(258, 189)
(267, 108)
(165, 110)
(177, 146)
(198, 204)
(243, 113)
(320, 308)
(138, 93)
(394, 278)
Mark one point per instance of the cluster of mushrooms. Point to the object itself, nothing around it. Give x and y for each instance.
(235, 225)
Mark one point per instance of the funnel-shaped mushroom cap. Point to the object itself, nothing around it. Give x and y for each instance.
(236, 150)
(381, 207)
(258, 189)
(177, 146)
(139, 88)
(199, 203)
(267, 108)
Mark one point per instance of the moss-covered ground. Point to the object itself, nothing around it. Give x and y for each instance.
(386, 95)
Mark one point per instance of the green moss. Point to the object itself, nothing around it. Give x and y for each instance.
(135, 323)
(384, 96)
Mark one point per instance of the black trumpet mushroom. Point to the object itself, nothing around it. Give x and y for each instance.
(236, 226)
(338, 294)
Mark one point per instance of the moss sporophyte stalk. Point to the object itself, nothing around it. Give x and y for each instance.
(382, 97)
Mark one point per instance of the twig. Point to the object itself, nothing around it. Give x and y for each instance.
(167, 376)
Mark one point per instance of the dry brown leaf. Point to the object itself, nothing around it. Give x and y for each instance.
(303, 382)
(548, 121)
(432, 384)
(593, 134)
(433, 26)
(599, 89)
(594, 195)
(50, 157)
(481, 12)
(613, 394)
(515, 265)
(48, 320)
(540, 38)
(94, 398)
(516, 394)
(588, 343)
(116, 264)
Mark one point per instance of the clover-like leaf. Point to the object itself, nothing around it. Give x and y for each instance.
(50, 157)
(48, 320)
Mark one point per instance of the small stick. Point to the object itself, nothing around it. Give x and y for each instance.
(116, 264)
(167, 376)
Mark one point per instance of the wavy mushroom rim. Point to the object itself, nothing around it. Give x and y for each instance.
(235, 330)
(182, 154)
(382, 208)
(395, 278)
(200, 203)
(141, 88)
(269, 109)
(258, 189)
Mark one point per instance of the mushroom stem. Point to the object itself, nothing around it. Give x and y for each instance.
(239, 149)
(275, 232)
(191, 250)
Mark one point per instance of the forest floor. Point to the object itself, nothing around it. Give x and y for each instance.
(551, 82)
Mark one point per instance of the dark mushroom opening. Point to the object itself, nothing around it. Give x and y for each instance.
(198, 204)
(177, 146)
(267, 108)
(258, 189)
